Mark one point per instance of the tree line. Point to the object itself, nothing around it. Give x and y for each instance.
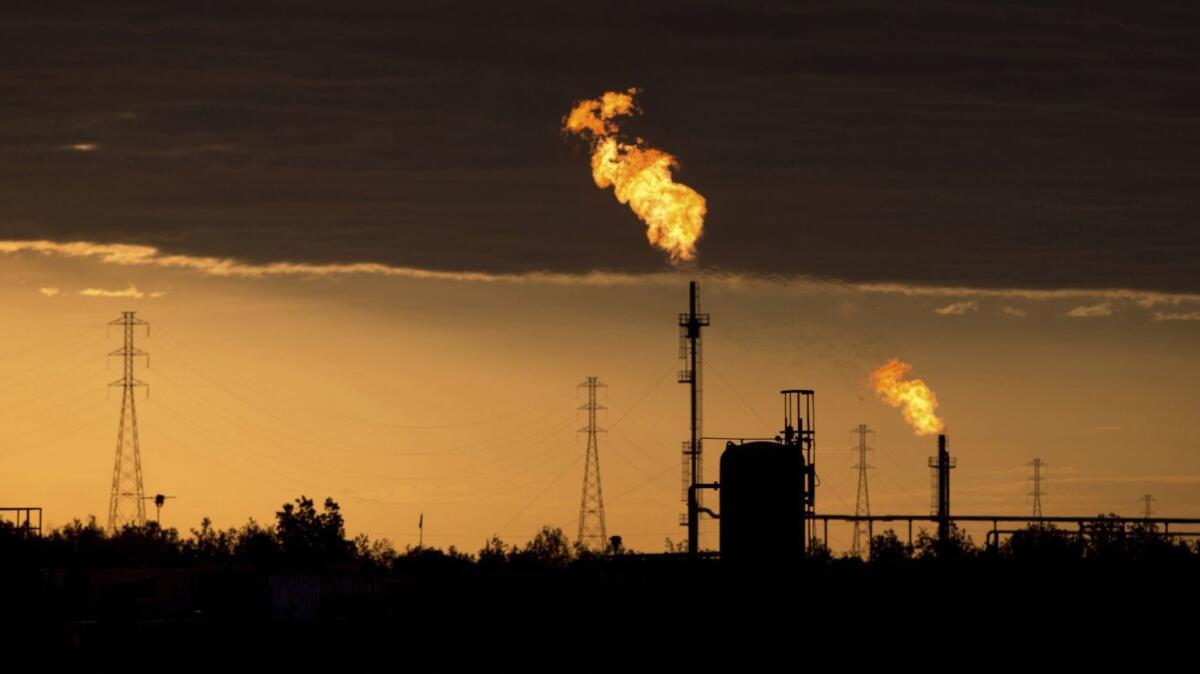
(303, 538)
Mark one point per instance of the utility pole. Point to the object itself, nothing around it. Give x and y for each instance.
(126, 504)
(592, 533)
(862, 504)
(1038, 465)
(690, 325)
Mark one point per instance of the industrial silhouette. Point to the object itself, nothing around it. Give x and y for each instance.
(862, 502)
(941, 466)
(1037, 492)
(691, 373)
(127, 503)
(302, 570)
(592, 532)
(768, 486)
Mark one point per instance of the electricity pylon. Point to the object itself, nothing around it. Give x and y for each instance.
(862, 505)
(1038, 465)
(592, 533)
(126, 503)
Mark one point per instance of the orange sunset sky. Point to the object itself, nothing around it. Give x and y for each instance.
(457, 398)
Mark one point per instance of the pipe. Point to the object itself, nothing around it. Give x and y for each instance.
(694, 511)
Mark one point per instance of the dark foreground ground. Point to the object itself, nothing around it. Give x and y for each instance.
(637, 609)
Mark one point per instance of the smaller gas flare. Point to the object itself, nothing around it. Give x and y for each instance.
(918, 401)
(639, 175)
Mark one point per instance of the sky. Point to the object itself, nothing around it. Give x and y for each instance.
(376, 267)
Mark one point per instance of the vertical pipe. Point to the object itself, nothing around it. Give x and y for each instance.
(943, 514)
(693, 333)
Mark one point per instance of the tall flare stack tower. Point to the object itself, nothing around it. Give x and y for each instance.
(690, 366)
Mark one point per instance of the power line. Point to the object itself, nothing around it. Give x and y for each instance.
(74, 430)
(723, 380)
(327, 468)
(636, 446)
(89, 360)
(637, 486)
(494, 439)
(540, 493)
(51, 342)
(330, 413)
(645, 395)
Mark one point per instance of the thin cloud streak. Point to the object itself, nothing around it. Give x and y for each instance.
(133, 255)
(957, 308)
(131, 292)
(1160, 316)
(1100, 310)
(130, 255)
(1143, 298)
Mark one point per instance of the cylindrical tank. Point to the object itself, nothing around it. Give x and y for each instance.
(762, 502)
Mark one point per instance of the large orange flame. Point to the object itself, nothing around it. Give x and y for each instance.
(918, 400)
(639, 175)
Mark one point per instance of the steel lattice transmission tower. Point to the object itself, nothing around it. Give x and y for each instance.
(1148, 505)
(1038, 465)
(126, 504)
(592, 533)
(862, 505)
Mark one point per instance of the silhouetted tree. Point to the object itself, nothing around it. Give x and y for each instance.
(256, 545)
(378, 554)
(493, 554)
(548, 549)
(307, 537)
(147, 545)
(887, 548)
(1105, 539)
(209, 544)
(818, 551)
(433, 562)
(1145, 543)
(79, 544)
(958, 545)
(1043, 543)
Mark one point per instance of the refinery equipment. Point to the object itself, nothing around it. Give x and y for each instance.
(768, 488)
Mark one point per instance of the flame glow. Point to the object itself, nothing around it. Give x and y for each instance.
(918, 401)
(640, 175)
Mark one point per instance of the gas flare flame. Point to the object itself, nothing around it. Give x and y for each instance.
(918, 401)
(639, 175)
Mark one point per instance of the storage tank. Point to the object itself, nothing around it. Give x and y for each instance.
(762, 502)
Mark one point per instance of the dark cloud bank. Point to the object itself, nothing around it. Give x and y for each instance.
(1047, 145)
